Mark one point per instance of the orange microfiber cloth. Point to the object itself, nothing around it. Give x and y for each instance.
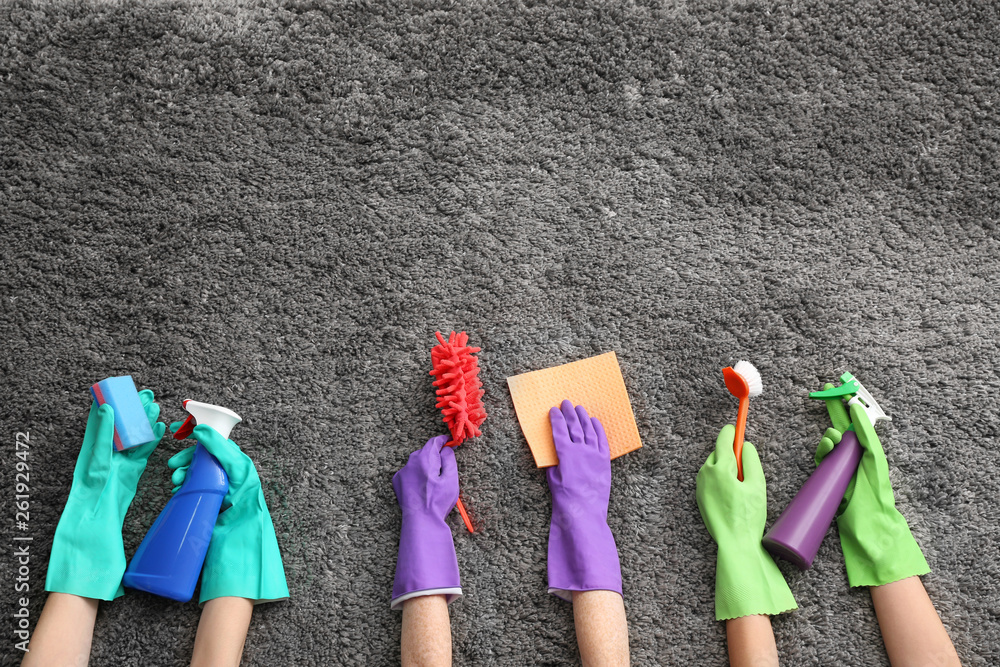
(595, 383)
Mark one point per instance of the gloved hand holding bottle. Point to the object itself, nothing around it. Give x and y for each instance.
(243, 558)
(876, 540)
(880, 552)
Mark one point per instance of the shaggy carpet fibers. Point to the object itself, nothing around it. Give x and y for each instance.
(273, 206)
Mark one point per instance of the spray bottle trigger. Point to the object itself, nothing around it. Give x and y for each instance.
(849, 386)
(186, 429)
(871, 407)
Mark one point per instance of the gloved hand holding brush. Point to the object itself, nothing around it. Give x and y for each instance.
(876, 540)
(243, 558)
(88, 555)
(747, 581)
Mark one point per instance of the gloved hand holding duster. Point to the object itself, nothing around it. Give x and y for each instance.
(427, 491)
(427, 579)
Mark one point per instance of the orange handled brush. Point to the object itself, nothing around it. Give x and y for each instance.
(459, 392)
(743, 381)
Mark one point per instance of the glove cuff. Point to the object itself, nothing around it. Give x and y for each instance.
(73, 570)
(748, 582)
(243, 558)
(86, 561)
(887, 553)
(427, 561)
(84, 583)
(583, 556)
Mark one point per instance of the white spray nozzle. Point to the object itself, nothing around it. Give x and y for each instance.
(864, 398)
(221, 419)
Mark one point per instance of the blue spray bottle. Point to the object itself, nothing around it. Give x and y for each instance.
(169, 560)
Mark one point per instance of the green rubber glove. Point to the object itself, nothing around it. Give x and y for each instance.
(746, 579)
(243, 559)
(877, 543)
(88, 555)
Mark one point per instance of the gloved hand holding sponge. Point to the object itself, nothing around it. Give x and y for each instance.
(582, 553)
(88, 555)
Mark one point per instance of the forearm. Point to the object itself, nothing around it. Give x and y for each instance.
(222, 631)
(911, 628)
(64, 632)
(601, 627)
(751, 641)
(426, 640)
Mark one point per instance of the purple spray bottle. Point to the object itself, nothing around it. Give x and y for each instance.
(800, 529)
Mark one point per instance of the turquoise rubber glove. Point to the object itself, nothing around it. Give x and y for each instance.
(746, 579)
(243, 559)
(877, 543)
(88, 555)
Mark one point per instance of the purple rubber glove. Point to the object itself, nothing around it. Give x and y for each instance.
(427, 490)
(582, 551)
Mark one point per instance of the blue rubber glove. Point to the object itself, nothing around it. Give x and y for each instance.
(88, 555)
(427, 490)
(243, 558)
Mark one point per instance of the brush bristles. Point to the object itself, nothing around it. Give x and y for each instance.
(752, 377)
(458, 388)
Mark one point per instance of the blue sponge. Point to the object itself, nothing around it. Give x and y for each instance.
(131, 424)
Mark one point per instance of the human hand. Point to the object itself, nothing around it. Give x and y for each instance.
(746, 579)
(428, 483)
(88, 554)
(876, 540)
(581, 482)
(239, 468)
(243, 559)
(427, 490)
(582, 551)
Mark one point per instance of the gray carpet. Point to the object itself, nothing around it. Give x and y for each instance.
(274, 206)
